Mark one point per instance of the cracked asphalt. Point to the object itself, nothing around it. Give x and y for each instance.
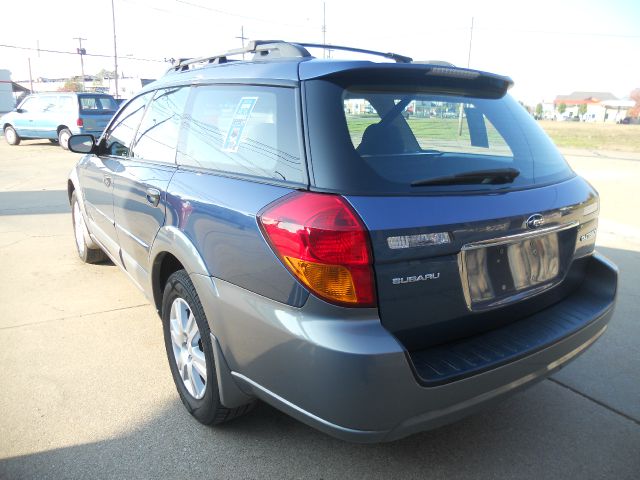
(85, 391)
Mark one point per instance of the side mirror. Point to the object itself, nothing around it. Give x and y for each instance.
(19, 110)
(82, 144)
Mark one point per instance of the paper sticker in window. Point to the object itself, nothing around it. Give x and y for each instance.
(240, 117)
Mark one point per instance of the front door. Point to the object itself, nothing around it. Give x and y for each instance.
(23, 122)
(98, 174)
(141, 182)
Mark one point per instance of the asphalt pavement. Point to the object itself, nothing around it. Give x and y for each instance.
(85, 389)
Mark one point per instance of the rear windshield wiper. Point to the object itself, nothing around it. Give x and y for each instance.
(490, 177)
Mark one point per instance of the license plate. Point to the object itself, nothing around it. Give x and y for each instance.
(497, 272)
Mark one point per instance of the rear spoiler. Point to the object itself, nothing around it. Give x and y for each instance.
(428, 78)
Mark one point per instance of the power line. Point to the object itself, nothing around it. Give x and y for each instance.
(17, 47)
(231, 14)
(557, 32)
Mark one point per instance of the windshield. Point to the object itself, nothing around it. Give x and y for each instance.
(408, 140)
(97, 104)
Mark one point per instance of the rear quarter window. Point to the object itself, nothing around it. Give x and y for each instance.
(244, 130)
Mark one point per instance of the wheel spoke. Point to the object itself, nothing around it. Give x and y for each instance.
(180, 364)
(182, 314)
(191, 328)
(177, 336)
(199, 363)
(191, 374)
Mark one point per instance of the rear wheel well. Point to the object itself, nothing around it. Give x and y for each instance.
(164, 265)
(61, 127)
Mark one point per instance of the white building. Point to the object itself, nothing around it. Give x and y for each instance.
(600, 107)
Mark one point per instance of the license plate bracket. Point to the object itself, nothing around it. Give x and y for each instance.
(502, 271)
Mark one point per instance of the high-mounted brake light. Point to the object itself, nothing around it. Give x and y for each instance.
(324, 244)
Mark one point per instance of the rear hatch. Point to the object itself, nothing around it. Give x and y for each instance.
(96, 111)
(475, 218)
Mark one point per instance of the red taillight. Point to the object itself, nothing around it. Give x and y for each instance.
(80, 122)
(324, 244)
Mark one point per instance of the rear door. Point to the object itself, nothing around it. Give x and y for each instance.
(448, 268)
(95, 112)
(473, 214)
(142, 177)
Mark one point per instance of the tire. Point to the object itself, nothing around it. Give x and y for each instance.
(54, 141)
(80, 234)
(11, 136)
(63, 138)
(187, 340)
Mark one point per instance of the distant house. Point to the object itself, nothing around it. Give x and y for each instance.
(601, 107)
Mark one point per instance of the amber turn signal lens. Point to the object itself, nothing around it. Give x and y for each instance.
(333, 282)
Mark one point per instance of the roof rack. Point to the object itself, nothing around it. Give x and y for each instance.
(277, 49)
(393, 56)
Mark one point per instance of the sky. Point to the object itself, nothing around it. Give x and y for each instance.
(547, 47)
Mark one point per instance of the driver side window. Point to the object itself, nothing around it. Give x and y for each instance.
(30, 105)
(118, 140)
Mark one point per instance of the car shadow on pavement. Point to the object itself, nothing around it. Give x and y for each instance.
(548, 432)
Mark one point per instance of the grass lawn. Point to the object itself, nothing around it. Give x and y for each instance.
(591, 136)
(428, 131)
(594, 136)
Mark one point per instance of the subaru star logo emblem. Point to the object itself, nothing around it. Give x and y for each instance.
(534, 221)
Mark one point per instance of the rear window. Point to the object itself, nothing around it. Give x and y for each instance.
(97, 104)
(407, 139)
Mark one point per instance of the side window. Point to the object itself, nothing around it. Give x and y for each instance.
(67, 103)
(119, 137)
(247, 130)
(31, 105)
(49, 103)
(157, 137)
(88, 103)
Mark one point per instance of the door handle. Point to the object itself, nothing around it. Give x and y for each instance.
(153, 196)
(107, 180)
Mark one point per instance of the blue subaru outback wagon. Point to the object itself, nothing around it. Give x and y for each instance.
(374, 248)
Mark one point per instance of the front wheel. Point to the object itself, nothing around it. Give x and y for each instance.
(63, 138)
(11, 136)
(188, 343)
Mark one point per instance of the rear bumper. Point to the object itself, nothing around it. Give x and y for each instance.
(340, 371)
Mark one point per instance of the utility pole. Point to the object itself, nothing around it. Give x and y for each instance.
(468, 63)
(115, 48)
(242, 39)
(30, 77)
(81, 51)
(324, 28)
(470, 43)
